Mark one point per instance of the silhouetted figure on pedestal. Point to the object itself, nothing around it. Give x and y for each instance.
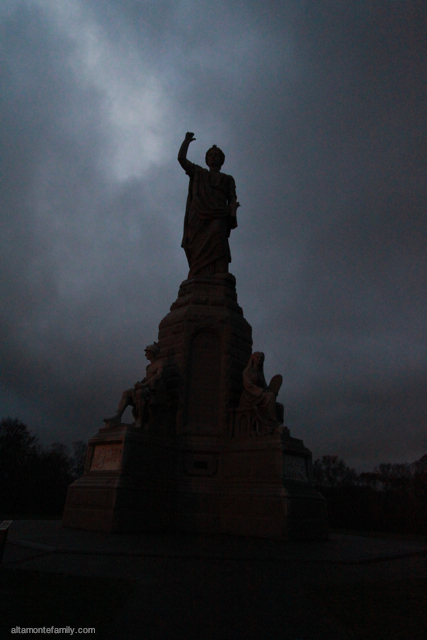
(258, 397)
(142, 393)
(210, 213)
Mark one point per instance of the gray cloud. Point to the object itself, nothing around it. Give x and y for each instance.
(320, 111)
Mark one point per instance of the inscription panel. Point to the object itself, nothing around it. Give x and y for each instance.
(294, 468)
(199, 464)
(204, 387)
(107, 457)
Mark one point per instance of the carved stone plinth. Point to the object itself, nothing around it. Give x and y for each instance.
(268, 486)
(128, 485)
(200, 463)
(247, 485)
(206, 336)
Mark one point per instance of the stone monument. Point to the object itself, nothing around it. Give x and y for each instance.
(208, 451)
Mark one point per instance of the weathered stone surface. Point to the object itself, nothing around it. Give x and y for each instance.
(137, 495)
(210, 343)
(145, 393)
(200, 464)
(238, 485)
(203, 396)
(107, 457)
(4, 528)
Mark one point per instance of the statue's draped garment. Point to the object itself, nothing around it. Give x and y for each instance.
(254, 399)
(207, 220)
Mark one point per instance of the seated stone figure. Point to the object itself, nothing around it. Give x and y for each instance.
(143, 392)
(260, 398)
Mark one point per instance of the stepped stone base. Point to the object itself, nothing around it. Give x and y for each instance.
(199, 465)
(257, 486)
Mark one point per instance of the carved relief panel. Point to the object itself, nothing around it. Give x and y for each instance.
(203, 396)
(295, 468)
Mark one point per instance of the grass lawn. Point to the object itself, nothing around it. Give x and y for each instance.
(370, 610)
(386, 610)
(388, 535)
(377, 610)
(38, 599)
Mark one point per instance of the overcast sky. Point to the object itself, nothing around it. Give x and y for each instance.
(320, 108)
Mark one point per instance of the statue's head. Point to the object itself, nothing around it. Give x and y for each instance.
(152, 349)
(215, 156)
(256, 360)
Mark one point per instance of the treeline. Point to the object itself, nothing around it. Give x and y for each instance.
(392, 497)
(33, 478)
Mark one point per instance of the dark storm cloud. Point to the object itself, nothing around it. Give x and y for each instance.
(73, 254)
(320, 110)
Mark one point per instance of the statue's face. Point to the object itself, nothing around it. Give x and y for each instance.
(214, 158)
(259, 360)
(149, 355)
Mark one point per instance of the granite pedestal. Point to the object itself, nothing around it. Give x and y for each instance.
(199, 463)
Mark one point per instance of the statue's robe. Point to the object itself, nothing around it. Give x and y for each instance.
(263, 405)
(207, 221)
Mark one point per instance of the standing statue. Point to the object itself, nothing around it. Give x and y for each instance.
(260, 398)
(210, 213)
(143, 392)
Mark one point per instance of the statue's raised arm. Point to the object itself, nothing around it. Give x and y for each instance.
(182, 153)
(210, 214)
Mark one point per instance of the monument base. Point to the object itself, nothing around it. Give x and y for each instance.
(122, 488)
(248, 485)
(200, 464)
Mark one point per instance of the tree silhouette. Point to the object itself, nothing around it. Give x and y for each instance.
(330, 471)
(34, 479)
